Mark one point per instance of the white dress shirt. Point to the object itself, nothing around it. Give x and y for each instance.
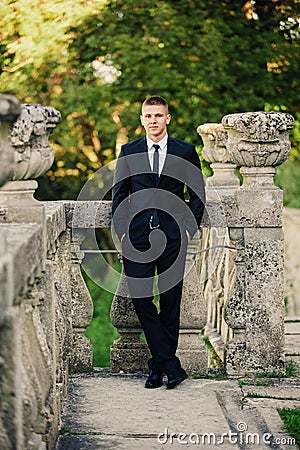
(162, 152)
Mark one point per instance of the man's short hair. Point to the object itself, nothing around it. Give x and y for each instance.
(155, 100)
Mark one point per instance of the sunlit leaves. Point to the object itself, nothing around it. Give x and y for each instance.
(96, 61)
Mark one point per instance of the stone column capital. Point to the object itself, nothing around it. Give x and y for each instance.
(214, 138)
(223, 181)
(258, 139)
(29, 137)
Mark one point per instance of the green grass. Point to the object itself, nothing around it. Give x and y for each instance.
(291, 371)
(100, 331)
(291, 422)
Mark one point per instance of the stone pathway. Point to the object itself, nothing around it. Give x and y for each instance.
(106, 411)
(117, 412)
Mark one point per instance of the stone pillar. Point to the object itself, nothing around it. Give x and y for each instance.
(129, 353)
(258, 142)
(192, 350)
(216, 264)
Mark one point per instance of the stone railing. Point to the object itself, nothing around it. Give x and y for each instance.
(244, 289)
(130, 354)
(291, 227)
(45, 308)
(217, 266)
(44, 303)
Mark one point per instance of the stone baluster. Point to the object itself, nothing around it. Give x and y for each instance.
(258, 142)
(10, 109)
(129, 353)
(82, 310)
(216, 265)
(192, 350)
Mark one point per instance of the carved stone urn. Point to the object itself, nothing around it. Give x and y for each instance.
(258, 142)
(223, 180)
(33, 155)
(29, 137)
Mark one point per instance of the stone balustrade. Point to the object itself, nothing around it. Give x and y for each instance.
(245, 292)
(44, 303)
(217, 268)
(233, 283)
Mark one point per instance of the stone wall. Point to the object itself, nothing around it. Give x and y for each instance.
(44, 304)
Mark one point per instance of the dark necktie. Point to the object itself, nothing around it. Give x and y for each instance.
(156, 161)
(154, 221)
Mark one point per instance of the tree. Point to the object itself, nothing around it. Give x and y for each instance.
(207, 58)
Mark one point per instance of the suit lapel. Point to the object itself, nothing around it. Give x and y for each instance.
(170, 151)
(145, 163)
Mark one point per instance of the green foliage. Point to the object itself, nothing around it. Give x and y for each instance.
(288, 179)
(100, 331)
(96, 61)
(291, 421)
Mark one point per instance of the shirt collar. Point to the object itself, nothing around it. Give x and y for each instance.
(162, 143)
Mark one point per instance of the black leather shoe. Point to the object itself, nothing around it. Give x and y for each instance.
(154, 380)
(176, 377)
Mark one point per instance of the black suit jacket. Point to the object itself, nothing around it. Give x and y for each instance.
(137, 191)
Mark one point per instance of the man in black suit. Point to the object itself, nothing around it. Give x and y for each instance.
(154, 224)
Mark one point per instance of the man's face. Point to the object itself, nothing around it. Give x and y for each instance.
(155, 119)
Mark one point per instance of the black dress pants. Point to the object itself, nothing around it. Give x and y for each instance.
(160, 325)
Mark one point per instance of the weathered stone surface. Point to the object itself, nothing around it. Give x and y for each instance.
(223, 181)
(256, 307)
(82, 310)
(248, 317)
(192, 350)
(210, 414)
(55, 222)
(11, 375)
(214, 138)
(29, 137)
(88, 214)
(129, 353)
(42, 325)
(224, 212)
(258, 139)
(25, 252)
